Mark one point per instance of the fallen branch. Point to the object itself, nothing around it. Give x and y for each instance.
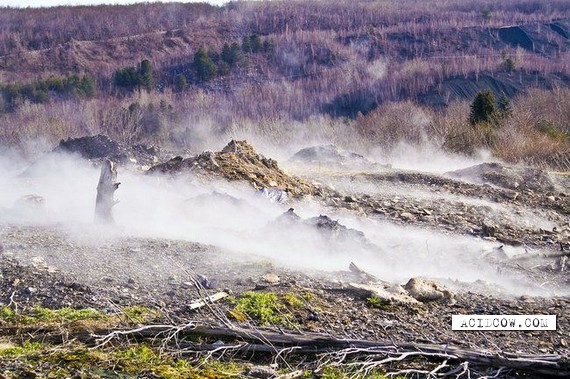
(342, 350)
(269, 341)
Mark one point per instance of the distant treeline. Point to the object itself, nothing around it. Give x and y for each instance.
(41, 91)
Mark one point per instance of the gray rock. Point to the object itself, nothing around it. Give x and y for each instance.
(426, 290)
(262, 372)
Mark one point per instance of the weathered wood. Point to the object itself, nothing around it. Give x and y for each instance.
(207, 300)
(291, 375)
(105, 193)
(268, 341)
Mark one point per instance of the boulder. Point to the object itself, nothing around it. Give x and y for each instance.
(426, 290)
(261, 372)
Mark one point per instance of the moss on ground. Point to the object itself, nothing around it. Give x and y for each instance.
(267, 308)
(21, 357)
(133, 361)
(41, 315)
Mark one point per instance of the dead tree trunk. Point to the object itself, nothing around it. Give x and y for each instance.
(105, 191)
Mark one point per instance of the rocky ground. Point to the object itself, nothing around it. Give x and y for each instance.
(48, 265)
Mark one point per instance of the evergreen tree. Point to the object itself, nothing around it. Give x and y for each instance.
(146, 75)
(504, 108)
(223, 68)
(509, 65)
(268, 45)
(246, 44)
(256, 45)
(88, 86)
(231, 54)
(203, 64)
(227, 54)
(236, 54)
(482, 108)
(181, 83)
(127, 77)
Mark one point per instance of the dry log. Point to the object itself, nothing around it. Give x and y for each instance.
(269, 341)
(105, 193)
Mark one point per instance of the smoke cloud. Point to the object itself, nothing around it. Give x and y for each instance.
(233, 217)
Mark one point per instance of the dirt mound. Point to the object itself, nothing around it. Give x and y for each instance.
(460, 88)
(329, 155)
(238, 161)
(506, 176)
(516, 36)
(100, 147)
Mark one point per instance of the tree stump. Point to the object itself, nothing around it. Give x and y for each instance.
(105, 191)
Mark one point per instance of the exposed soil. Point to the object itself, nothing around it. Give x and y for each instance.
(238, 160)
(93, 266)
(37, 269)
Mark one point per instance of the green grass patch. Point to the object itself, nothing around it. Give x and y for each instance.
(343, 373)
(376, 302)
(267, 308)
(63, 315)
(551, 130)
(138, 360)
(41, 315)
(139, 315)
(134, 360)
(27, 348)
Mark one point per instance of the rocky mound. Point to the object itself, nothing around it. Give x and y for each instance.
(335, 235)
(521, 178)
(100, 147)
(238, 161)
(329, 155)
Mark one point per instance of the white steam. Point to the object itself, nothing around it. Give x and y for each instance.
(233, 217)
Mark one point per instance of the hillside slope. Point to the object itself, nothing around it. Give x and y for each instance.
(389, 55)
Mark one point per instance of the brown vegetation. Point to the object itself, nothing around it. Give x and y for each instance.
(368, 61)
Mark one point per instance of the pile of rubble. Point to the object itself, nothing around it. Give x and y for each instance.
(238, 161)
(509, 177)
(332, 235)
